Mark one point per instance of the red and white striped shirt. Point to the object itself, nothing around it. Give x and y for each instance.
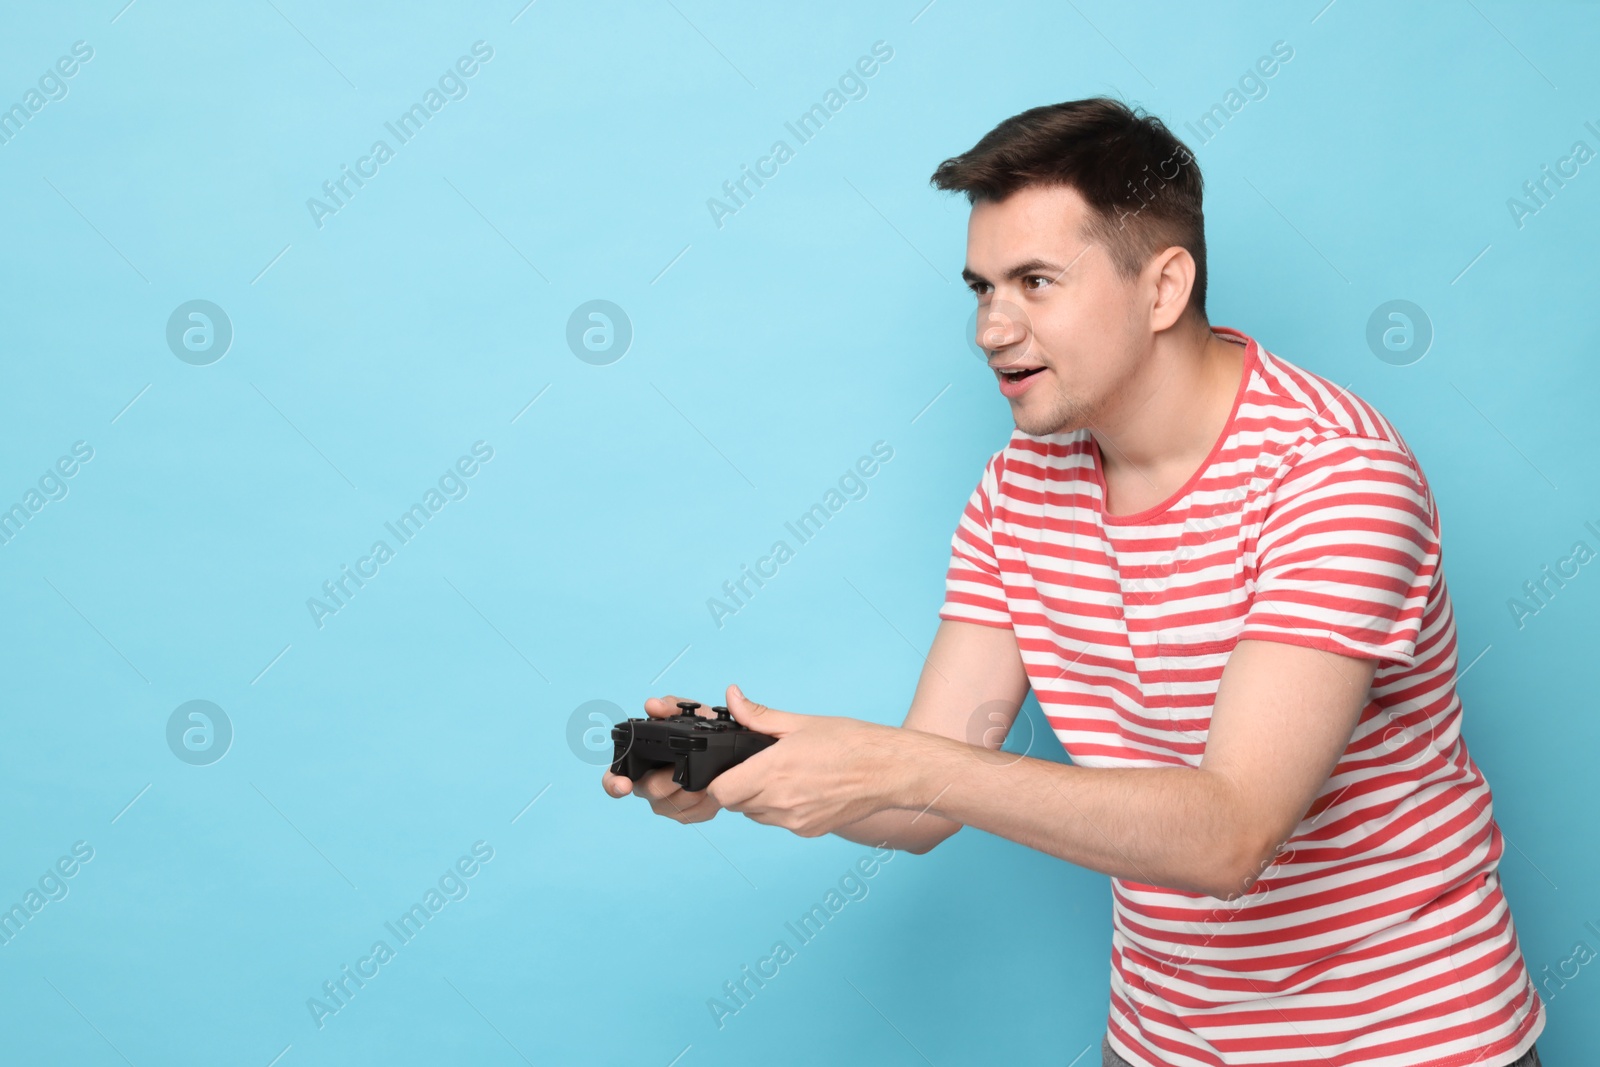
(1380, 936)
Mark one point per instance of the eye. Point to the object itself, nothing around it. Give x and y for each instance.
(977, 287)
(1040, 277)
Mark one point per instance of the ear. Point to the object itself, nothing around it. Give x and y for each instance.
(759, 717)
(1174, 273)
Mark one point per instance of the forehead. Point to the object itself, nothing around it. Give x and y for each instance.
(1034, 223)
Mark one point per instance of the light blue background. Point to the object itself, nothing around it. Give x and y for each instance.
(767, 356)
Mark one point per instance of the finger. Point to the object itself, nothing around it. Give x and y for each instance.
(661, 707)
(759, 717)
(664, 707)
(735, 787)
(687, 807)
(615, 784)
(656, 785)
(678, 799)
(668, 798)
(763, 816)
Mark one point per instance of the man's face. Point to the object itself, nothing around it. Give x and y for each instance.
(1050, 299)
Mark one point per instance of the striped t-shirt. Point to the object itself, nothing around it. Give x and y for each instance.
(1380, 935)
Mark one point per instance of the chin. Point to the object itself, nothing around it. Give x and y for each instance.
(1037, 424)
(1035, 428)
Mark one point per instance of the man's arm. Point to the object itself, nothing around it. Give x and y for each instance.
(971, 687)
(1283, 715)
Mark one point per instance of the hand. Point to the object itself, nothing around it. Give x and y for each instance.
(666, 797)
(827, 772)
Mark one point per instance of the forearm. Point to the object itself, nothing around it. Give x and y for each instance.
(900, 829)
(1176, 827)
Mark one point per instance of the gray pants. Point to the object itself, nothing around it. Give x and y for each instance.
(1109, 1058)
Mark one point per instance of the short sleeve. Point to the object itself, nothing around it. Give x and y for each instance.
(973, 590)
(1347, 553)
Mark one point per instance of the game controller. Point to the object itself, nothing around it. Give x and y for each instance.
(696, 749)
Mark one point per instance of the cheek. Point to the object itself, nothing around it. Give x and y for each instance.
(1057, 335)
(1095, 308)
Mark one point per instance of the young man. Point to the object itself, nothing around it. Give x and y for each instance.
(1220, 575)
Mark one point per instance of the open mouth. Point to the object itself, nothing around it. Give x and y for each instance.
(1018, 375)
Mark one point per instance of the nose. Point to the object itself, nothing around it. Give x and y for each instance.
(1000, 325)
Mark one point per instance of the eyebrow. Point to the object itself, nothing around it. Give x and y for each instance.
(1030, 266)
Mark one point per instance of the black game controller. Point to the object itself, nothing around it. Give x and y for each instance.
(696, 749)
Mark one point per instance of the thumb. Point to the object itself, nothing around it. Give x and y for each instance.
(759, 717)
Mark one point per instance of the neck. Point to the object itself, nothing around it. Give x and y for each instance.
(1166, 421)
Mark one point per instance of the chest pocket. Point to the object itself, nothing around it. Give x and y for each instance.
(1193, 651)
(1179, 683)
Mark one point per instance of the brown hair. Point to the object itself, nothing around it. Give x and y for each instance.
(1141, 183)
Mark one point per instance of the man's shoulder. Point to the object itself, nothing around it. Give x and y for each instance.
(1295, 410)
(1324, 426)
